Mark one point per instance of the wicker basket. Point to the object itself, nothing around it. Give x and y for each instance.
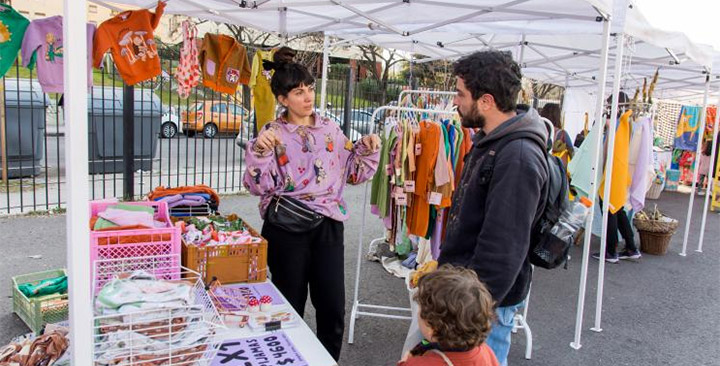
(655, 235)
(654, 243)
(656, 226)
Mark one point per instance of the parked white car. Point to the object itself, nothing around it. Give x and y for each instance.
(170, 124)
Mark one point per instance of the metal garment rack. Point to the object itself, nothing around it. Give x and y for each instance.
(372, 310)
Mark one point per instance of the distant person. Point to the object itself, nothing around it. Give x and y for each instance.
(562, 143)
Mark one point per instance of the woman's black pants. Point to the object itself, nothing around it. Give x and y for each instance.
(313, 259)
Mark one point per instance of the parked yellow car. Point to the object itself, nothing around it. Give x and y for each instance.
(214, 117)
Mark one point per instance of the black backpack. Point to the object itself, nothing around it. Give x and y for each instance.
(546, 250)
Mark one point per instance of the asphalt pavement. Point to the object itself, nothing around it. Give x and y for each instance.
(662, 310)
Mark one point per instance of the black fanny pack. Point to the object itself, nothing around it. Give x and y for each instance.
(292, 215)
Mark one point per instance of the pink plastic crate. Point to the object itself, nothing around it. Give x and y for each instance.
(119, 244)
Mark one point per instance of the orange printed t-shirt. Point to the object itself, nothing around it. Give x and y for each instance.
(129, 37)
(419, 212)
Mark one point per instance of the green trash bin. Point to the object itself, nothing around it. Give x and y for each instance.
(105, 118)
(25, 105)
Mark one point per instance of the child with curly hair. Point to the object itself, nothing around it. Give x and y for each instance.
(455, 317)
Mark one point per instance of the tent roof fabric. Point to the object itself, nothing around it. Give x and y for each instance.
(402, 17)
(561, 37)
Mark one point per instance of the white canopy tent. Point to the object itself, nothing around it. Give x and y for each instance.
(403, 18)
(554, 53)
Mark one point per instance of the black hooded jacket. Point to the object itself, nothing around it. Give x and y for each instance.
(492, 214)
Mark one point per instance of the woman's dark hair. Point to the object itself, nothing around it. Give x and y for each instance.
(552, 112)
(457, 306)
(491, 72)
(288, 74)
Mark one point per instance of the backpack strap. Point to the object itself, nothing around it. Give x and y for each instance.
(488, 165)
(443, 356)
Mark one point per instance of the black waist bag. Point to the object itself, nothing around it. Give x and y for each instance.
(292, 215)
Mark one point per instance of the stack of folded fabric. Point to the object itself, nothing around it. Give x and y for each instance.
(125, 217)
(142, 318)
(198, 200)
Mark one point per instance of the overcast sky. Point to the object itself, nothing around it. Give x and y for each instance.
(696, 18)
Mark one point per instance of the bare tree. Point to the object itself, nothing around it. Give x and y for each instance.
(547, 91)
(379, 64)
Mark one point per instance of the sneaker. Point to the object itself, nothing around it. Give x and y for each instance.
(608, 258)
(626, 254)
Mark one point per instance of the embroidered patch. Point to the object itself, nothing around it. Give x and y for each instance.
(232, 75)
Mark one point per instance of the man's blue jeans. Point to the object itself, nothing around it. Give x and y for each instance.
(499, 338)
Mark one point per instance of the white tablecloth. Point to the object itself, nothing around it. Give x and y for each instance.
(300, 333)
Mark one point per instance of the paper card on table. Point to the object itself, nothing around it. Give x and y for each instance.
(418, 149)
(409, 186)
(435, 198)
(228, 294)
(401, 199)
(271, 350)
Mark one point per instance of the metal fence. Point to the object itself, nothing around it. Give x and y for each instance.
(168, 151)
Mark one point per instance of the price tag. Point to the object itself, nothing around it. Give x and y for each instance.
(401, 199)
(397, 191)
(418, 149)
(435, 198)
(410, 186)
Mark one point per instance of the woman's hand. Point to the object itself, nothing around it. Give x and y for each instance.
(371, 142)
(266, 141)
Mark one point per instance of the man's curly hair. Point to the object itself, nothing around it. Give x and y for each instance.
(491, 72)
(457, 306)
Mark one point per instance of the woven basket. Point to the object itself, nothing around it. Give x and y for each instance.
(655, 226)
(654, 243)
(654, 192)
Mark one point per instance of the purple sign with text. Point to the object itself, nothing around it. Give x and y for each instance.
(274, 349)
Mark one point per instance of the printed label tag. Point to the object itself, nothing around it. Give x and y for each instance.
(435, 198)
(397, 191)
(410, 186)
(401, 199)
(418, 149)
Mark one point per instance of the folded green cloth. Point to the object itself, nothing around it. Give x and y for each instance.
(57, 285)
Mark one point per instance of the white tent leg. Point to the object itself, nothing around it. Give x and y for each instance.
(353, 314)
(76, 157)
(600, 102)
(325, 66)
(521, 56)
(696, 173)
(608, 177)
(709, 174)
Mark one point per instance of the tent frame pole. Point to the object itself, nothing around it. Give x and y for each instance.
(617, 76)
(76, 157)
(696, 173)
(325, 66)
(709, 175)
(599, 104)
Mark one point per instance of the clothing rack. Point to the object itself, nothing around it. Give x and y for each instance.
(372, 310)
